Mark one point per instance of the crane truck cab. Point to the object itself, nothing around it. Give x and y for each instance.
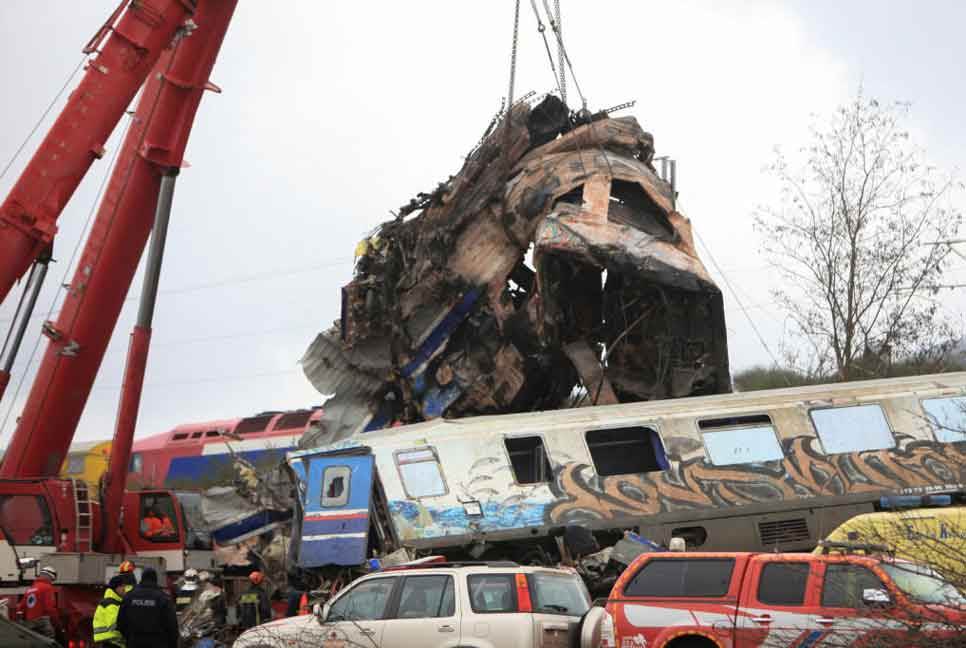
(48, 519)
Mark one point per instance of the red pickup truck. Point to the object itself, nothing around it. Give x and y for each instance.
(745, 600)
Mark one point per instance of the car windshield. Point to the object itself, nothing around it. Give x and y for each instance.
(923, 584)
(558, 593)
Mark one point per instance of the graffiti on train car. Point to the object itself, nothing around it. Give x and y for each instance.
(577, 495)
(804, 472)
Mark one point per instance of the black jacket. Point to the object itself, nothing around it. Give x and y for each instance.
(147, 618)
(254, 607)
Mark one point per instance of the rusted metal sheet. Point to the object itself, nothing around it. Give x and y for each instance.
(554, 260)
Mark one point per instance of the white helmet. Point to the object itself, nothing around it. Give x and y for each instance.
(191, 574)
(49, 572)
(204, 576)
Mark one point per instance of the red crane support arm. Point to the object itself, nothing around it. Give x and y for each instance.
(28, 215)
(154, 144)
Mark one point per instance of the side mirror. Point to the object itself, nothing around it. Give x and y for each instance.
(876, 597)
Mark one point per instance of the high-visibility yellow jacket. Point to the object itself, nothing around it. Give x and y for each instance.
(105, 619)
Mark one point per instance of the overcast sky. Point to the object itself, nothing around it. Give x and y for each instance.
(334, 113)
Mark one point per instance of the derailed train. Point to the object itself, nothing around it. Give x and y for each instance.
(773, 470)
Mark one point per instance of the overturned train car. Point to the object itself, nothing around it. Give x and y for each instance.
(554, 263)
(775, 470)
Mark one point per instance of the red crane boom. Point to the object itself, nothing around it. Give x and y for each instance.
(28, 216)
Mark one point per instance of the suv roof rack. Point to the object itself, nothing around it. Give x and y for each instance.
(853, 547)
(504, 564)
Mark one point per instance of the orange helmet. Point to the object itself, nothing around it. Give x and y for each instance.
(256, 577)
(126, 567)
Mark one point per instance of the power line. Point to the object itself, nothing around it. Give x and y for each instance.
(734, 294)
(43, 116)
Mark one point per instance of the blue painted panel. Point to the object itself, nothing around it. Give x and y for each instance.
(196, 469)
(336, 535)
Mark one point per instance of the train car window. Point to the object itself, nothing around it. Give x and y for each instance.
(335, 486)
(420, 472)
(852, 429)
(783, 583)
(137, 463)
(212, 433)
(254, 424)
(947, 417)
(293, 420)
(75, 464)
(626, 451)
(196, 435)
(180, 436)
(740, 440)
(528, 459)
(25, 520)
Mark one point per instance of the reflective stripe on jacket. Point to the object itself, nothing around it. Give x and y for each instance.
(105, 619)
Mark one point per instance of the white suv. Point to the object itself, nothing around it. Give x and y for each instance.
(449, 605)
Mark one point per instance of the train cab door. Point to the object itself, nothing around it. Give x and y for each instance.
(336, 494)
(154, 526)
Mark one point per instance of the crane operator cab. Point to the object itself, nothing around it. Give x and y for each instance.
(159, 522)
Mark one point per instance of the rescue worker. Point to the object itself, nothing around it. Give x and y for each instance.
(254, 606)
(40, 606)
(212, 599)
(106, 633)
(186, 593)
(146, 618)
(156, 526)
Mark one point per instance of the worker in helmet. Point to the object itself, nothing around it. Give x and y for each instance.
(254, 606)
(211, 599)
(188, 590)
(106, 633)
(40, 606)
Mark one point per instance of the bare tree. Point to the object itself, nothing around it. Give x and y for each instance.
(851, 238)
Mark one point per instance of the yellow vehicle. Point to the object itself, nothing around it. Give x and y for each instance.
(935, 536)
(87, 460)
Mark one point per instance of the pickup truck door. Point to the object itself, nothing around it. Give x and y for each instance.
(843, 615)
(777, 604)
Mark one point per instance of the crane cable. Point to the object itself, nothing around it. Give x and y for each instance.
(555, 26)
(542, 30)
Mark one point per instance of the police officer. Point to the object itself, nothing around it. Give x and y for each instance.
(254, 606)
(106, 634)
(146, 618)
(40, 606)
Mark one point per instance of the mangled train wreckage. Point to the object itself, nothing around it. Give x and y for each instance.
(553, 271)
(554, 260)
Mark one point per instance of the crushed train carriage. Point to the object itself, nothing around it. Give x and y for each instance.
(555, 259)
(773, 470)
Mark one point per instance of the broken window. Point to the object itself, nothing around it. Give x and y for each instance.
(740, 440)
(528, 458)
(852, 429)
(335, 486)
(626, 451)
(421, 473)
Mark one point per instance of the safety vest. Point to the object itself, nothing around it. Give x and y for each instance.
(251, 598)
(105, 619)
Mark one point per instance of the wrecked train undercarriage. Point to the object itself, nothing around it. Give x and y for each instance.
(552, 271)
